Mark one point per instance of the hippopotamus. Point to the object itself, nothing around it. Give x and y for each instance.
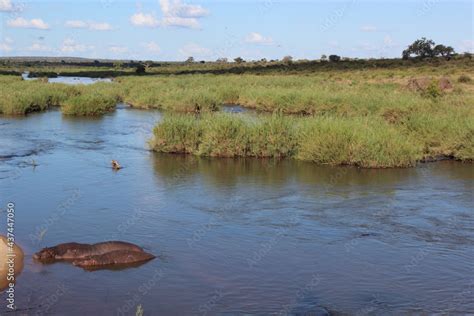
(113, 258)
(72, 251)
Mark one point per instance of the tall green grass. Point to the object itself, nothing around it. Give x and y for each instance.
(323, 140)
(91, 100)
(338, 93)
(363, 117)
(363, 142)
(18, 97)
(443, 134)
(318, 94)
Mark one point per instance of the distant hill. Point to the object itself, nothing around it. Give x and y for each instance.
(58, 59)
(74, 60)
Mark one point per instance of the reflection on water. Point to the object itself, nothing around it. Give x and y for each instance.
(233, 236)
(78, 80)
(233, 108)
(69, 80)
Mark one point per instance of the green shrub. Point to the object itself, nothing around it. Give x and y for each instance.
(433, 90)
(464, 79)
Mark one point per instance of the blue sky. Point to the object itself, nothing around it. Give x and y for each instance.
(176, 29)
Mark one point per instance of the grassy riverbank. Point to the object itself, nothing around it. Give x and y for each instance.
(20, 97)
(338, 91)
(361, 141)
(366, 117)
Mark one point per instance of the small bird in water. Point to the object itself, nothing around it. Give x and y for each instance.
(116, 165)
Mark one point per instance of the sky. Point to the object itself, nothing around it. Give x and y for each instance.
(173, 30)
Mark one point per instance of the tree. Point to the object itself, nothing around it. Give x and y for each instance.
(445, 51)
(141, 69)
(334, 58)
(324, 57)
(239, 60)
(148, 64)
(190, 60)
(288, 60)
(422, 48)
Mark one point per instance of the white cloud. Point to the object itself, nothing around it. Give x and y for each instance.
(6, 6)
(100, 26)
(175, 13)
(175, 8)
(71, 46)
(195, 50)
(94, 26)
(117, 49)
(181, 22)
(37, 47)
(76, 24)
(5, 47)
(368, 28)
(152, 47)
(257, 38)
(466, 46)
(30, 24)
(143, 19)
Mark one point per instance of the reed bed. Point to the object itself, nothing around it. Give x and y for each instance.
(322, 140)
(362, 117)
(368, 142)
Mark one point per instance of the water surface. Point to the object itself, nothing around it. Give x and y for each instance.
(232, 236)
(70, 80)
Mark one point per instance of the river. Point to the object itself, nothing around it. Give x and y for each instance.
(232, 236)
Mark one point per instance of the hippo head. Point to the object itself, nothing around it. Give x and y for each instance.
(45, 255)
